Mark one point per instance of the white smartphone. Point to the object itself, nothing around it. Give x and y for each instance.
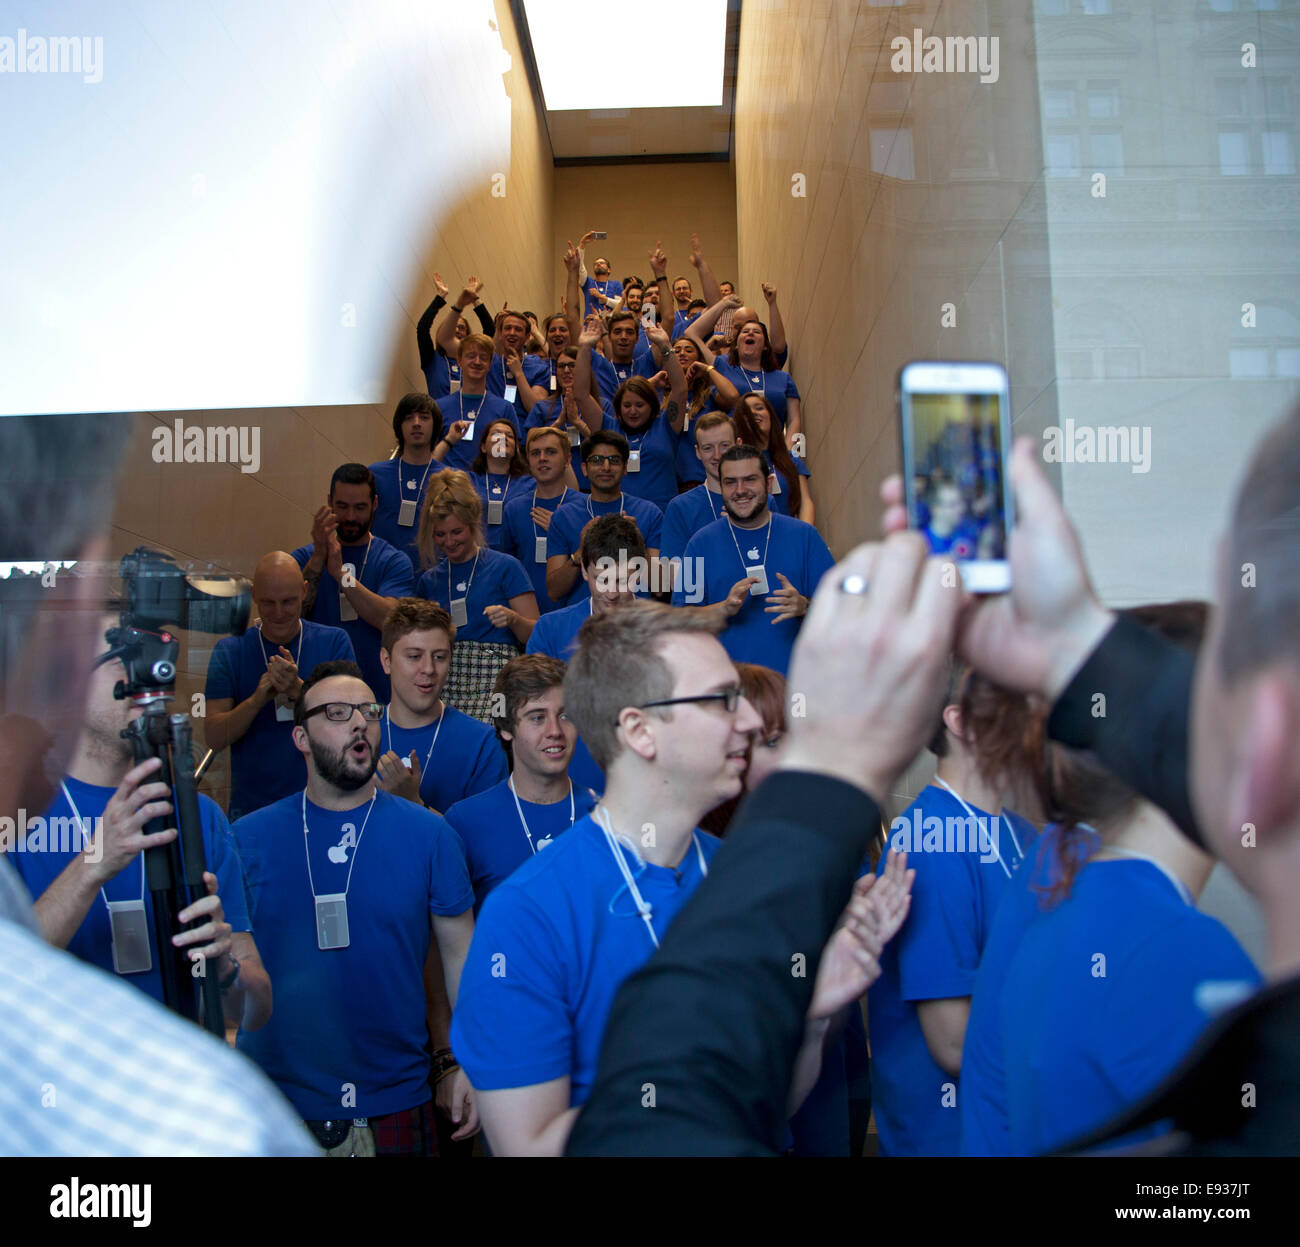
(956, 437)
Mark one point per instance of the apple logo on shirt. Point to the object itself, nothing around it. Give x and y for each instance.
(460, 588)
(338, 853)
(543, 842)
(752, 553)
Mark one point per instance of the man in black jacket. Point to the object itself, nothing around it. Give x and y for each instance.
(713, 1020)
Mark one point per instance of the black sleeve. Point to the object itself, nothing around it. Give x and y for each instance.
(485, 320)
(714, 1021)
(424, 331)
(1140, 731)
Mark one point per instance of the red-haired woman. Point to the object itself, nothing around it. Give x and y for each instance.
(756, 425)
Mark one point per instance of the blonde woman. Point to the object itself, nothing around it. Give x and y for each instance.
(487, 593)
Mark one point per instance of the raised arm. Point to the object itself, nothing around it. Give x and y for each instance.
(775, 325)
(675, 405)
(446, 335)
(702, 328)
(424, 327)
(590, 408)
(572, 294)
(709, 288)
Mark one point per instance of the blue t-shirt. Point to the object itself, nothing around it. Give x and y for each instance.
(610, 286)
(962, 874)
(493, 581)
(656, 444)
(537, 371)
(459, 755)
(93, 939)
(520, 533)
(780, 502)
(1101, 998)
(265, 764)
(609, 375)
(570, 935)
(482, 409)
(348, 1019)
(961, 543)
(791, 547)
(685, 516)
(497, 842)
(778, 387)
(439, 375)
(383, 570)
(397, 481)
(682, 322)
(565, 534)
(498, 488)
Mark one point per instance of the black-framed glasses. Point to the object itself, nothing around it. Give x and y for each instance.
(599, 459)
(729, 697)
(342, 711)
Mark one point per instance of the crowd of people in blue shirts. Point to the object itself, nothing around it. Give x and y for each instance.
(448, 907)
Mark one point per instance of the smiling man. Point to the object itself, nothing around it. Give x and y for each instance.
(779, 561)
(401, 481)
(519, 817)
(432, 753)
(658, 701)
(349, 888)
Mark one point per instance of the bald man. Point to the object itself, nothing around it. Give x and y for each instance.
(254, 681)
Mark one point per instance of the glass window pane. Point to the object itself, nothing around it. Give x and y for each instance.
(1248, 362)
(1122, 362)
(1222, 6)
(1279, 159)
(1062, 156)
(1108, 152)
(891, 153)
(1078, 365)
(1096, 6)
(1229, 97)
(1058, 103)
(1277, 98)
(1103, 100)
(1288, 361)
(1234, 158)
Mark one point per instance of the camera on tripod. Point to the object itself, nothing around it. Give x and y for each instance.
(158, 593)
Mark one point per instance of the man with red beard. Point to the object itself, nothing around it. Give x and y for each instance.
(349, 887)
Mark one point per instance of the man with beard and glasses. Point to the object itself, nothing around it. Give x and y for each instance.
(353, 577)
(779, 561)
(350, 887)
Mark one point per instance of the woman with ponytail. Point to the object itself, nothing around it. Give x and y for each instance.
(756, 425)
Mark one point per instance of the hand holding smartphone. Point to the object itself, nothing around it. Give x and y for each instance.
(956, 438)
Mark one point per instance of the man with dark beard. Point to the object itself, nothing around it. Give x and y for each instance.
(349, 936)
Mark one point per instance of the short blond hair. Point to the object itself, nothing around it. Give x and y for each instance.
(451, 493)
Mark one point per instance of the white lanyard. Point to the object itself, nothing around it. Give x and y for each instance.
(265, 659)
(388, 735)
(762, 381)
(366, 558)
(470, 583)
(731, 527)
(510, 783)
(558, 505)
(85, 841)
(708, 493)
(975, 824)
(642, 906)
(621, 505)
(1179, 886)
(355, 848)
(509, 481)
(427, 467)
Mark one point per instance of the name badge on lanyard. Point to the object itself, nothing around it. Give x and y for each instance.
(495, 507)
(406, 513)
(634, 461)
(332, 921)
(346, 610)
(511, 391)
(773, 483)
(575, 438)
(552, 382)
(760, 574)
(454, 386)
(283, 709)
(460, 612)
(130, 932)
(539, 550)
